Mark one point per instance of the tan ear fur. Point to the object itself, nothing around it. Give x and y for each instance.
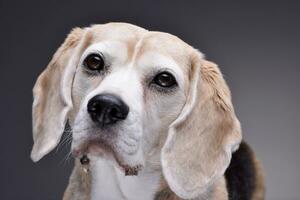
(201, 140)
(52, 97)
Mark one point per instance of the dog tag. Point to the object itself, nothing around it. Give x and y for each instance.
(84, 160)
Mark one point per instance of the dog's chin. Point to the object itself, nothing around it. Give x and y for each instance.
(129, 164)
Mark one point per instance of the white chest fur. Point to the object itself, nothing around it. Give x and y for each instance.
(109, 183)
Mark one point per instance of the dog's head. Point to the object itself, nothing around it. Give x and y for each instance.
(131, 94)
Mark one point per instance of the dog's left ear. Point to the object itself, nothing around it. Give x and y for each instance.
(201, 140)
(52, 97)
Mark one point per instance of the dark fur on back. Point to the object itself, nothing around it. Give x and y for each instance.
(240, 175)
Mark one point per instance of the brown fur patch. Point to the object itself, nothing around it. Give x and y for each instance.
(211, 74)
(165, 193)
(259, 192)
(79, 187)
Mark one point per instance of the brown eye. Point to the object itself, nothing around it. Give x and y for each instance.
(94, 62)
(164, 79)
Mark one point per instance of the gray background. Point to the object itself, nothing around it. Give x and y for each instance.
(257, 46)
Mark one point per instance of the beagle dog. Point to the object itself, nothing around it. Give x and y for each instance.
(151, 118)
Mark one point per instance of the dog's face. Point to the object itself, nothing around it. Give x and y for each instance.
(130, 94)
(128, 88)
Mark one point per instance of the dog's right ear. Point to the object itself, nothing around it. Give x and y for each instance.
(52, 96)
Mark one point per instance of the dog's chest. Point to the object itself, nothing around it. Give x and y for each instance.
(110, 183)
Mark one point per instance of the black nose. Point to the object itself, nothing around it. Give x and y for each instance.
(107, 109)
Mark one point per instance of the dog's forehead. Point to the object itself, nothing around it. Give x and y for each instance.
(117, 31)
(166, 45)
(139, 41)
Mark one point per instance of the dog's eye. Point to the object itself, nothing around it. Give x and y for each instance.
(94, 62)
(164, 79)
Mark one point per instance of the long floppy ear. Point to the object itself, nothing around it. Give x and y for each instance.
(201, 140)
(52, 97)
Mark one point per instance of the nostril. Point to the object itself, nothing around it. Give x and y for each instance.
(114, 112)
(94, 106)
(93, 109)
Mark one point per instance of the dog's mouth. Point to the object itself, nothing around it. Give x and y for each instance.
(95, 148)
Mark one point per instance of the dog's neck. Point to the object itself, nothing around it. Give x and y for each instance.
(110, 183)
(101, 180)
